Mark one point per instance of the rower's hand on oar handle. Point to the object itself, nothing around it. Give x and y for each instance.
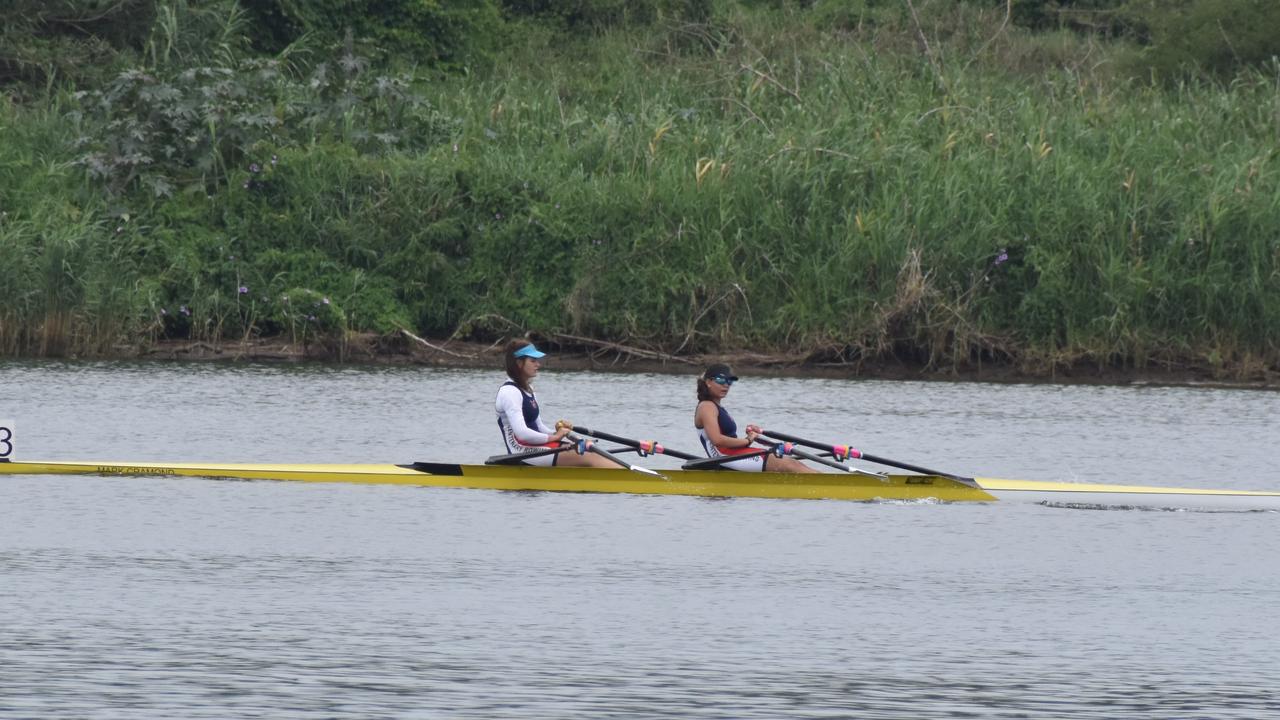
(563, 428)
(752, 432)
(564, 434)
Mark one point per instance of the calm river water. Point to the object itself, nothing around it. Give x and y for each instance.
(194, 598)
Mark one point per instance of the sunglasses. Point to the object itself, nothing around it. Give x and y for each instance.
(722, 380)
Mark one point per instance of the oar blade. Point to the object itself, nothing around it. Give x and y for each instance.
(648, 471)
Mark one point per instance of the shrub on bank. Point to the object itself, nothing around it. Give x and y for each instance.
(1209, 37)
(174, 130)
(783, 187)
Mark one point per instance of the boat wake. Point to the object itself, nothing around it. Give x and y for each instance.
(1150, 508)
(905, 501)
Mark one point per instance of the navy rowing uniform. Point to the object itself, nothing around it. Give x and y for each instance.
(729, 428)
(521, 425)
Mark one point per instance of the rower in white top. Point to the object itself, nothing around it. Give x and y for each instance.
(519, 417)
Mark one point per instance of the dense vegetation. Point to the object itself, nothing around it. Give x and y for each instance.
(929, 181)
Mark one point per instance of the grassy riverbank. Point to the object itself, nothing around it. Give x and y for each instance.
(798, 183)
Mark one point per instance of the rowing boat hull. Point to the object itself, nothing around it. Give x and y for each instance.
(707, 483)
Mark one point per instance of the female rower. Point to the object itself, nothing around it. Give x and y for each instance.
(719, 433)
(522, 429)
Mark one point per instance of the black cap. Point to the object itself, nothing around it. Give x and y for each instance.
(720, 369)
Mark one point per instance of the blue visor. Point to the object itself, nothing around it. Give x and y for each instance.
(529, 351)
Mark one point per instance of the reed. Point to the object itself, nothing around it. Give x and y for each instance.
(760, 181)
(783, 200)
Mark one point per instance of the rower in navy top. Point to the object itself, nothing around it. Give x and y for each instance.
(719, 433)
(519, 416)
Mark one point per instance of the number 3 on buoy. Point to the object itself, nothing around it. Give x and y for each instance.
(6, 439)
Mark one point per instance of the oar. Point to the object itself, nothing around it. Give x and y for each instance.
(643, 446)
(803, 455)
(595, 448)
(845, 451)
(519, 458)
(770, 450)
(715, 462)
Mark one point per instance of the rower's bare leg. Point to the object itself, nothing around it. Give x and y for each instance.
(785, 464)
(573, 459)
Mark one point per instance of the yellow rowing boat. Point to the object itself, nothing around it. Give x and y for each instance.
(706, 483)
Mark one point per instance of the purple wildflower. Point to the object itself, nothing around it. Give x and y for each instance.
(1002, 257)
(312, 318)
(255, 168)
(244, 290)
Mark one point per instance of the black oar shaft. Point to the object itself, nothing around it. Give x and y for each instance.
(704, 463)
(908, 466)
(865, 456)
(632, 443)
(519, 458)
(591, 446)
(809, 456)
(610, 456)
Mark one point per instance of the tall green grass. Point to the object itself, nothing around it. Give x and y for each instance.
(68, 284)
(759, 182)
